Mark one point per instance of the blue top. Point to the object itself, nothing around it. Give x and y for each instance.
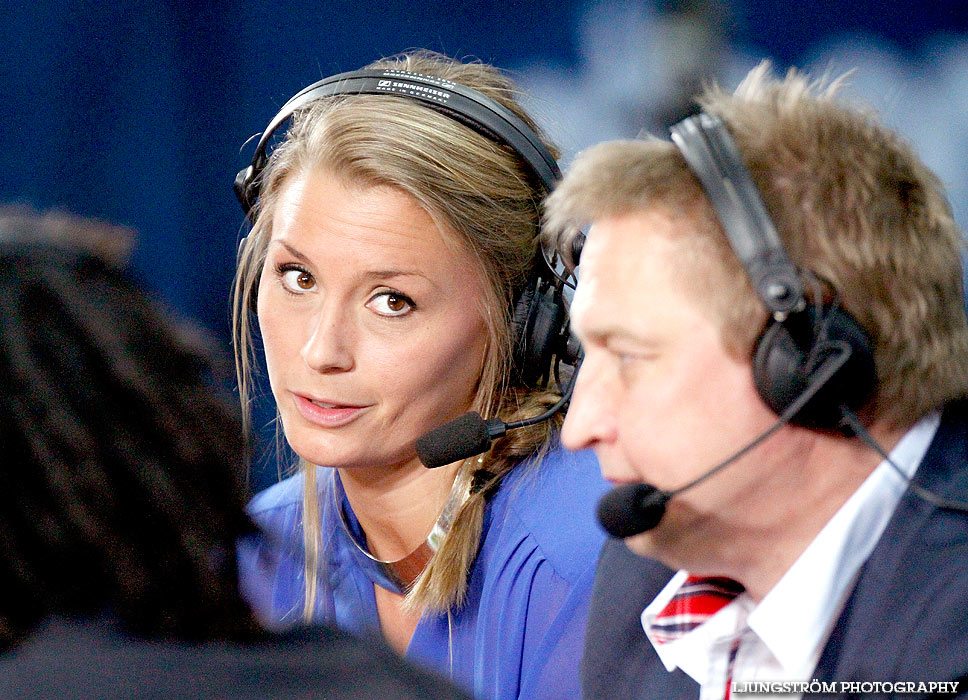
(520, 632)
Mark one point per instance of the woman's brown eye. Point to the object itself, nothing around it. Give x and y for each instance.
(297, 281)
(390, 304)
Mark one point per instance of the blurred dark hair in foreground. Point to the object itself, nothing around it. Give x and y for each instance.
(123, 497)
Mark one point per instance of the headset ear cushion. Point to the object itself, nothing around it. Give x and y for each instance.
(788, 354)
(539, 316)
(244, 190)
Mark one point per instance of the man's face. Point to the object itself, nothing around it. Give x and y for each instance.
(658, 397)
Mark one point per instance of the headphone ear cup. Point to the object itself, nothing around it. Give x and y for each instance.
(244, 190)
(539, 316)
(788, 354)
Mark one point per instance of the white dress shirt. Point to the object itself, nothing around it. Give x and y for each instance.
(782, 637)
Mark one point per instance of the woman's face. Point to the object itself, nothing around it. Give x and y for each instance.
(371, 323)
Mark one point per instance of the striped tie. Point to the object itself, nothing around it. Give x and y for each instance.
(697, 600)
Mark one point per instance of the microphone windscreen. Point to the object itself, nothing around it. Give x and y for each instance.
(631, 509)
(462, 437)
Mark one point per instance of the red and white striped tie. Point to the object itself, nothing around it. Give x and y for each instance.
(697, 600)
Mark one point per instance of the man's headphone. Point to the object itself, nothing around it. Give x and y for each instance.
(801, 337)
(539, 321)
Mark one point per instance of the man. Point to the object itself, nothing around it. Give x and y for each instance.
(830, 563)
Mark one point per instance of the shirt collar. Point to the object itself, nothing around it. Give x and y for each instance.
(794, 619)
(691, 651)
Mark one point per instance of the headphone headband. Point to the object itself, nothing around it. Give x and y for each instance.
(539, 319)
(471, 108)
(791, 353)
(712, 155)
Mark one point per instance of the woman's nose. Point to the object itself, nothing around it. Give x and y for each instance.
(330, 342)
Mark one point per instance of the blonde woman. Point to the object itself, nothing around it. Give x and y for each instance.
(393, 238)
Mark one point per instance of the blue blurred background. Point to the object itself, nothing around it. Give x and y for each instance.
(138, 112)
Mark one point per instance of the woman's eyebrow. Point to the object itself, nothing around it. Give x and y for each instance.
(292, 251)
(388, 273)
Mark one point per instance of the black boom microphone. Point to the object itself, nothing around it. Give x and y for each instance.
(470, 434)
(631, 509)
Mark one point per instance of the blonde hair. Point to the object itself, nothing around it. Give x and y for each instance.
(853, 205)
(480, 194)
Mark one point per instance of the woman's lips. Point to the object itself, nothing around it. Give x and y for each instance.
(327, 414)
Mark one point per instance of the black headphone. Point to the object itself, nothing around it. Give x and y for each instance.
(801, 337)
(539, 321)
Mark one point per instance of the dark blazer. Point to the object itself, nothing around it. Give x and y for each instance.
(905, 620)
